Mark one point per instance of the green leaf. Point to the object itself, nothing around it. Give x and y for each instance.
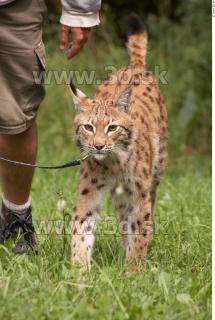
(163, 282)
(184, 298)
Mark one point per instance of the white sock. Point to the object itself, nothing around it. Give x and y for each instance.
(16, 207)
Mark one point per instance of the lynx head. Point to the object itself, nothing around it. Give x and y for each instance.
(102, 128)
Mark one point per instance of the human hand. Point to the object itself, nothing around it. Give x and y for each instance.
(79, 38)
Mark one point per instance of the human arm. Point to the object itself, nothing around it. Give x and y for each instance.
(78, 16)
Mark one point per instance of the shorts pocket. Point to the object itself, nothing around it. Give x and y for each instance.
(41, 55)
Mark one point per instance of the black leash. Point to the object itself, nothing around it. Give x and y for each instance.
(58, 166)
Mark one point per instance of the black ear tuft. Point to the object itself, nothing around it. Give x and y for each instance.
(73, 88)
(78, 97)
(134, 24)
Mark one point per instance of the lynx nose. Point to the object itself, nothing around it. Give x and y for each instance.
(99, 147)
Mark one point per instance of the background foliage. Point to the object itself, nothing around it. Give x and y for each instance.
(180, 43)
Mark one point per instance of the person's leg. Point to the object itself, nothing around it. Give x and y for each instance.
(22, 54)
(16, 180)
(15, 215)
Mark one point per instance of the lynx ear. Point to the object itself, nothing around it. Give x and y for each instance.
(78, 97)
(123, 101)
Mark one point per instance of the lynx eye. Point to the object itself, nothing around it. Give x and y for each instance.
(112, 128)
(88, 127)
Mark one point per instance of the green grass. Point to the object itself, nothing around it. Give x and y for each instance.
(176, 282)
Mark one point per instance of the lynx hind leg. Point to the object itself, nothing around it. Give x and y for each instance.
(153, 201)
(140, 232)
(84, 219)
(153, 193)
(123, 203)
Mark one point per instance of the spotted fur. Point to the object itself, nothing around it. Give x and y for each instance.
(123, 134)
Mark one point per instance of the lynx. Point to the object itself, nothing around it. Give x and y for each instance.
(122, 135)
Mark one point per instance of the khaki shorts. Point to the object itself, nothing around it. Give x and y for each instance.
(22, 55)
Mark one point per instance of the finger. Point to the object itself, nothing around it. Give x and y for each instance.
(80, 36)
(64, 33)
(73, 50)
